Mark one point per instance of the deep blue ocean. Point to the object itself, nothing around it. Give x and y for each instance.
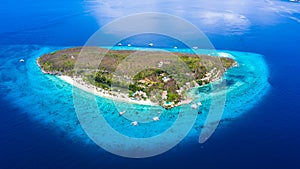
(264, 136)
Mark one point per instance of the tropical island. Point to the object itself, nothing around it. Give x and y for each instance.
(144, 77)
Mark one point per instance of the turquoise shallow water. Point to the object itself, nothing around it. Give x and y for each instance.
(49, 101)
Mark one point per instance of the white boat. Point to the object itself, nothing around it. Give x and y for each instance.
(156, 119)
(151, 44)
(199, 104)
(122, 112)
(175, 47)
(129, 44)
(134, 123)
(119, 44)
(21, 60)
(194, 106)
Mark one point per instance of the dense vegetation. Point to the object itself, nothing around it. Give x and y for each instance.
(154, 73)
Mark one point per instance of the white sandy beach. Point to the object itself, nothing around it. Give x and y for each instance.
(99, 92)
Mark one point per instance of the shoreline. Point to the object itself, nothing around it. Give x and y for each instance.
(37, 62)
(105, 94)
(110, 94)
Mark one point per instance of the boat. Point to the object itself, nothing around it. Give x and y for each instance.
(199, 104)
(122, 112)
(134, 123)
(156, 119)
(119, 44)
(150, 44)
(21, 60)
(194, 106)
(129, 44)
